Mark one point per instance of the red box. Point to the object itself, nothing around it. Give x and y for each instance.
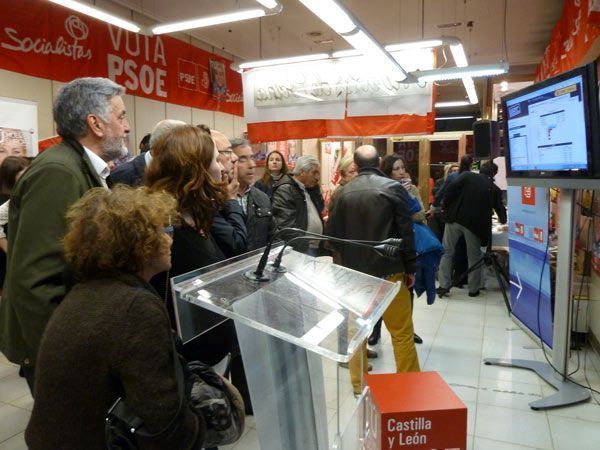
(414, 411)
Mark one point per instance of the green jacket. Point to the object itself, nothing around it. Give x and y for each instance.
(34, 279)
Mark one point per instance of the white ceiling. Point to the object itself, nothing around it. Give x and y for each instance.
(478, 23)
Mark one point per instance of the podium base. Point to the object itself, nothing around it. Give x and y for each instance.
(568, 392)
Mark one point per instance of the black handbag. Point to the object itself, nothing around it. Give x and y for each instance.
(123, 426)
(208, 394)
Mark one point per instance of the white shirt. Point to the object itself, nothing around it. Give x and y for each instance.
(3, 217)
(314, 224)
(99, 166)
(147, 158)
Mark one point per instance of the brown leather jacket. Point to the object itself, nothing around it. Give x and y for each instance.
(372, 207)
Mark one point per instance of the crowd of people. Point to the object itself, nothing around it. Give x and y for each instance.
(86, 310)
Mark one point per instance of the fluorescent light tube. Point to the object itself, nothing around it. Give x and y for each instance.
(454, 118)
(290, 60)
(332, 14)
(268, 3)
(209, 21)
(470, 88)
(414, 45)
(98, 14)
(455, 73)
(458, 53)
(346, 53)
(451, 104)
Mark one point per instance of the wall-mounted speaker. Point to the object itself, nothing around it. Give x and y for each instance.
(486, 142)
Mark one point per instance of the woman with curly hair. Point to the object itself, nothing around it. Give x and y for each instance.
(184, 164)
(110, 337)
(275, 169)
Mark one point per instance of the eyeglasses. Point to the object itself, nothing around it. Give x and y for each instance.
(169, 230)
(226, 151)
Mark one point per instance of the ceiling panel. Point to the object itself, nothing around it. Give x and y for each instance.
(296, 31)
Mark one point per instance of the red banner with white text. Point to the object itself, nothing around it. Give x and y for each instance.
(44, 40)
(572, 37)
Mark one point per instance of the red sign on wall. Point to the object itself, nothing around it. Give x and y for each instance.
(44, 40)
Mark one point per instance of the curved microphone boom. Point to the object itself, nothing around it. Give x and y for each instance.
(390, 248)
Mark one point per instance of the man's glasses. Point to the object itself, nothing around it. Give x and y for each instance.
(226, 151)
(169, 230)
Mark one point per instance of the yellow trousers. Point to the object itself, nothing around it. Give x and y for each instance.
(398, 320)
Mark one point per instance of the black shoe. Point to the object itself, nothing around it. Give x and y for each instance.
(474, 294)
(418, 339)
(441, 291)
(374, 338)
(371, 354)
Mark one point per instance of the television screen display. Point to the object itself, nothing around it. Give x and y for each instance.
(550, 128)
(546, 128)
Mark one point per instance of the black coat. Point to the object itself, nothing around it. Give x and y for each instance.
(372, 207)
(468, 201)
(229, 230)
(131, 172)
(260, 223)
(290, 209)
(109, 337)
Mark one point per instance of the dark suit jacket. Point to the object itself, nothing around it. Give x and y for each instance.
(131, 172)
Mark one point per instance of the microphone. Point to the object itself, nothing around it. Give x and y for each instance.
(258, 274)
(389, 248)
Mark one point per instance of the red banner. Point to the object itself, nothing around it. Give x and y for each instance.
(571, 38)
(44, 40)
(350, 126)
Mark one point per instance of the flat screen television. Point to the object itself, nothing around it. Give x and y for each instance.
(551, 130)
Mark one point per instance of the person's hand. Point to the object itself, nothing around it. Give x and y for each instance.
(409, 280)
(232, 183)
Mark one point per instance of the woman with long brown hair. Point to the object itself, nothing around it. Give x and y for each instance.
(184, 164)
(275, 169)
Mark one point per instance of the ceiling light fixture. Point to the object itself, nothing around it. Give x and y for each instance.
(414, 45)
(209, 21)
(290, 60)
(332, 14)
(347, 26)
(458, 53)
(470, 88)
(98, 14)
(455, 73)
(451, 104)
(271, 4)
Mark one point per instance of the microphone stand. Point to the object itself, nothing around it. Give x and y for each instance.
(389, 248)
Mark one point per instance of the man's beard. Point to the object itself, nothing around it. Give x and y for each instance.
(112, 148)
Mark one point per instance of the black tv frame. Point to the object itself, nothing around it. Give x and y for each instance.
(576, 179)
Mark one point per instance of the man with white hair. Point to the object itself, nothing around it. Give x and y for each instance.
(374, 207)
(132, 172)
(293, 206)
(91, 118)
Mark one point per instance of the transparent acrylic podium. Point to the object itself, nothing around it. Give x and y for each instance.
(284, 326)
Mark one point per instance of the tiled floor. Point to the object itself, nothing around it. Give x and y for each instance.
(458, 333)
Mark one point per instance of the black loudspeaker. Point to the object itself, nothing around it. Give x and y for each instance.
(486, 142)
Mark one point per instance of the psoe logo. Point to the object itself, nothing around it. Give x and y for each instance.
(75, 28)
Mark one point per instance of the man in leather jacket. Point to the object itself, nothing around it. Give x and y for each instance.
(375, 207)
(295, 206)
